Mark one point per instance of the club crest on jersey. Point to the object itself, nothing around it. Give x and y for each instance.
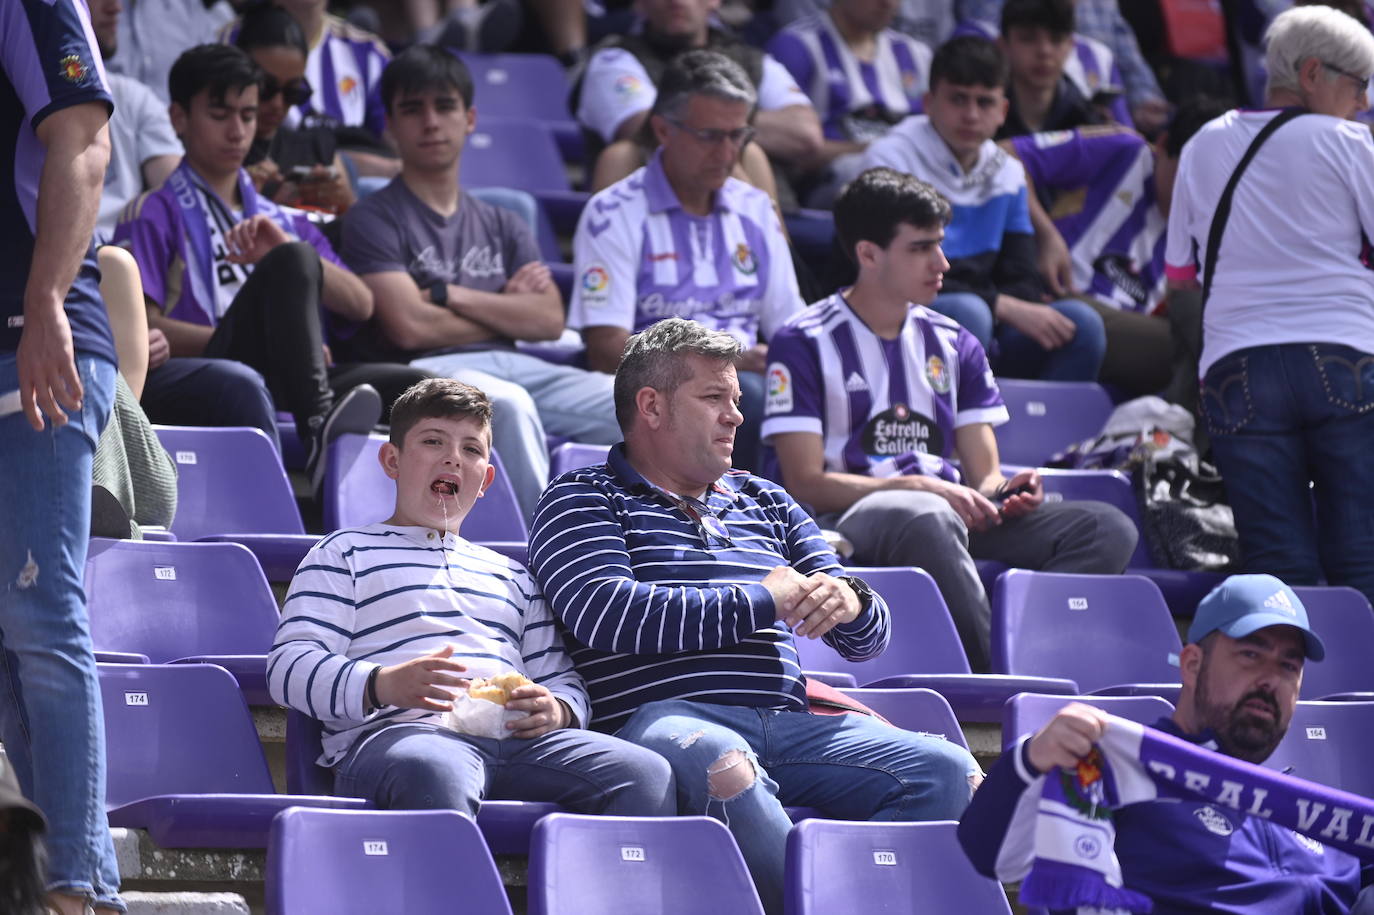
(1084, 789)
(1214, 821)
(744, 260)
(595, 281)
(347, 85)
(937, 375)
(73, 68)
(779, 388)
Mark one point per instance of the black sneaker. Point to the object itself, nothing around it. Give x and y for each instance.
(355, 411)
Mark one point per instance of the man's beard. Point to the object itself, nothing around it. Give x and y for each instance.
(1240, 732)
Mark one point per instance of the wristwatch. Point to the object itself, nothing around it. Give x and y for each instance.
(438, 293)
(861, 589)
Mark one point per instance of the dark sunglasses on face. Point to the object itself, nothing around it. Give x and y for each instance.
(293, 93)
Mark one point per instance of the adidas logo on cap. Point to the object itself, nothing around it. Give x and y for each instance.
(1279, 601)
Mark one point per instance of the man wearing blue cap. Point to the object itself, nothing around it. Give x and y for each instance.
(1241, 671)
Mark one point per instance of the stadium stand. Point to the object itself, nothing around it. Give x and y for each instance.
(1329, 743)
(1345, 622)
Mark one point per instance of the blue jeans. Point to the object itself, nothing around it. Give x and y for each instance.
(51, 720)
(972, 313)
(195, 391)
(1018, 356)
(1292, 429)
(849, 766)
(425, 767)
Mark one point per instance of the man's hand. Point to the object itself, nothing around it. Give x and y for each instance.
(263, 173)
(1023, 503)
(826, 602)
(1041, 323)
(787, 586)
(1150, 115)
(976, 510)
(532, 277)
(1068, 737)
(544, 712)
(1056, 265)
(250, 240)
(48, 380)
(754, 359)
(325, 187)
(420, 683)
(159, 350)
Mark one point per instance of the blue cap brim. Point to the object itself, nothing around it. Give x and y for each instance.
(1254, 622)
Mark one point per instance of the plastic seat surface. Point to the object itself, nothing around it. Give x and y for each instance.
(843, 868)
(229, 481)
(1047, 416)
(1026, 713)
(1330, 743)
(362, 862)
(592, 865)
(1345, 622)
(532, 86)
(922, 710)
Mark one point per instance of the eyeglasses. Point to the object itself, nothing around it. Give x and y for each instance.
(1361, 82)
(714, 136)
(296, 92)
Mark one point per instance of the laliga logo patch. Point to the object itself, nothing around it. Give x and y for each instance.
(744, 261)
(1214, 821)
(595, 281)
(628, 85)
(937, 374)
(779, 389)
(73, 68)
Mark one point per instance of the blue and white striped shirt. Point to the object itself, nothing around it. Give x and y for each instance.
(658, 607)
(381, 595)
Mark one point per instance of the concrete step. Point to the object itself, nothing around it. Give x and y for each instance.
(182, 903)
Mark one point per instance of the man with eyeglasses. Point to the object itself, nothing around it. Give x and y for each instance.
(683, 586)
(1287, 365)
(681, 237)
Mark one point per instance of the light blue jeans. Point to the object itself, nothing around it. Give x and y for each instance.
(571, 402)
(849, 767)
(1017, 355)
(51, 721)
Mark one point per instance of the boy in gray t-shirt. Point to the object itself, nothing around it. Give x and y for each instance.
(457, 281)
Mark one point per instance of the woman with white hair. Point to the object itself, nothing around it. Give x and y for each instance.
(1288, 322)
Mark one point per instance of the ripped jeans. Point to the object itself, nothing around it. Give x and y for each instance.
(741, 765)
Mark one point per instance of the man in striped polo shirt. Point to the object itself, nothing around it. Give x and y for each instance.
(682, 585)
(871, 396)
(386, 623)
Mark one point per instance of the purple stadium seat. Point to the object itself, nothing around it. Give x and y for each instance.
(183, 602)
(1028, 712)
(358, 492)
(575, 456)
(362, 862)
(839, 681)
(592, 865)
(922, 710)
(844, 868)
(1048, 416)
(506, 825)
(1110, 486)
(1345, 622)
(925, 651)
(523, 154)
(183, 758)
(231, 486)
(1330, 743)
(1103, 631)
(120, 657)
(527, 86)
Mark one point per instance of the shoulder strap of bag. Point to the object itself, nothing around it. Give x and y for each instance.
(1223, 211)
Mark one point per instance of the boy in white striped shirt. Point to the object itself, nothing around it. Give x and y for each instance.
(385, 623)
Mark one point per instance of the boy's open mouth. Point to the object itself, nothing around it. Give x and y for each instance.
(444, 487)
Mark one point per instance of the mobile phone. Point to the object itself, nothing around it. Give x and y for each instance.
(1004, 495)
(306, 173)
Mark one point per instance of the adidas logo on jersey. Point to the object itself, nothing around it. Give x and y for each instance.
(1279, 601)
(855, 383)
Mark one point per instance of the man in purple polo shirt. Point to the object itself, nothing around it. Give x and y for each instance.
(230, 275)
(681, 238)
(57, 376)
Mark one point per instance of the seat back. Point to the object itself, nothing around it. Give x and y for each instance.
(178, 600)
(922, 710)
(1026, 713)
(1330, 743)
(1110, 486)
(575, 456)
(513, 153)
(843, 868)
(591, 865)
(531, 86)
(357, 491)
(178, 729)
(1345, 622)
(229, 481)
(923, 640)
(1047, 416)
(361, 862)
(1098, 630)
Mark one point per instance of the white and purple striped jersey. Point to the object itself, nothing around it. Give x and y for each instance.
(640, 257)
(855, 99)
(883, 408)
(1105, 207)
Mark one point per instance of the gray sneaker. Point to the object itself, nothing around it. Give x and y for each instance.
(357, 411)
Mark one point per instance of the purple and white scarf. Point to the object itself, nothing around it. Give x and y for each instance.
(1075, 865)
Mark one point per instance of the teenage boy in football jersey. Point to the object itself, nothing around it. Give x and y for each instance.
(872, 397)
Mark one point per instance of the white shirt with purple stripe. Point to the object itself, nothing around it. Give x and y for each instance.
(883, 408)
(855, 99)
(640, 257)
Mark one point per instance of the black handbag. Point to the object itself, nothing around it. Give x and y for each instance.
(1188, 524)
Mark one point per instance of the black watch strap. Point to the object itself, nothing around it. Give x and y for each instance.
(438, 292)
(860, 588)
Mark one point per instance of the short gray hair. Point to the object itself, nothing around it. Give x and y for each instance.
(707, 73)
(656, 357)
(1327, 34)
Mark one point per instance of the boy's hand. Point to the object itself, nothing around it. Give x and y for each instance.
(420, 683)
(544, 712)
